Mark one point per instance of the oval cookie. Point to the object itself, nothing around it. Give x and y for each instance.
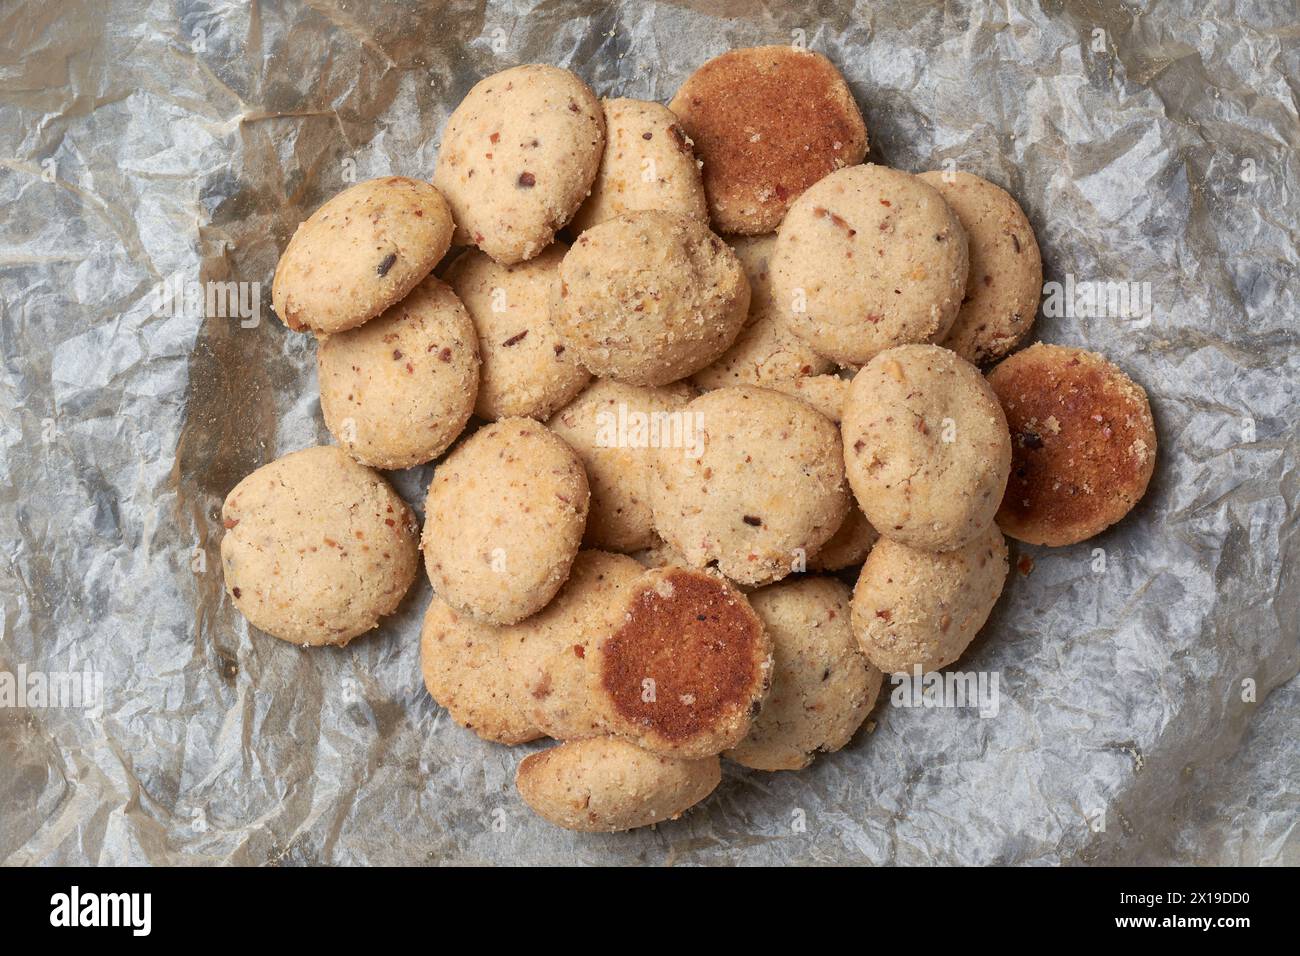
(516, 682)
(360, 253)
(926, 447)
(1083, 444)
(867, 259)
(604, 785)
(822, 685)
(518, 156)
(766, 491)
(922, 609)
(648, 164)
(615, 429)
(687, 669)
(398, 390)
(1004, 280)
(648, 298)
(768, 122)
(317, 547)
(526, 370)
(503, 520)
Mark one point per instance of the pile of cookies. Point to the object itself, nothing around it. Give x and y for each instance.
(658, 450)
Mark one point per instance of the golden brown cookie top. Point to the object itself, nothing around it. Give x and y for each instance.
(768, 122)
(688, 668)
(1083, 444)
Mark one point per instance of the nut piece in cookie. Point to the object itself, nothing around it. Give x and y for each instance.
(822, 685)
(603, 785)
(688, 667)
(517, 158)
(648, 164)
(649, 297)
(1083, 444)
(398, 390)
(768, 122)
(1005, 278)
(926, 447)
(504, 519)
(527, 371)
(867, 259)
(762, 489)
(922, 609)
(317, 547)
(360, 253)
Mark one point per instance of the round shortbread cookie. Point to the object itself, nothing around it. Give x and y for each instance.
(1083, 444)
(648, 298)
(768, 122)
(767, 490)
(648, 164)
(1005, 278)
(317, 547)
(398, 390)
(526, 370)
(504, 520)
(926, 447)
(822, 685)
(360, 253)
(867, 259)
(920, 608)
(604, 785)
(518, 157)
(614, 429)
(688, 668)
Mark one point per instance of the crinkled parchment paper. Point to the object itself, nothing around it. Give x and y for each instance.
(145, 143)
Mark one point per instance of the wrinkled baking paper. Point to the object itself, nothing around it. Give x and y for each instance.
(156, 149)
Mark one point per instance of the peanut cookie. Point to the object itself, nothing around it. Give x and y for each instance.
(1083, 444)
(767, 490)
(398, 390)
(687, 669)
(504, 519)
(768, 122)
(649, 297)
(317, 547)
(1005, 278)
(848, 546)
(926, 447)
(518, 157)
(604, 785)
(648, 164)
(360, 253)
(867, 259)
(922, 608)
(526, 369)
(822, 686)
(615, 429)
